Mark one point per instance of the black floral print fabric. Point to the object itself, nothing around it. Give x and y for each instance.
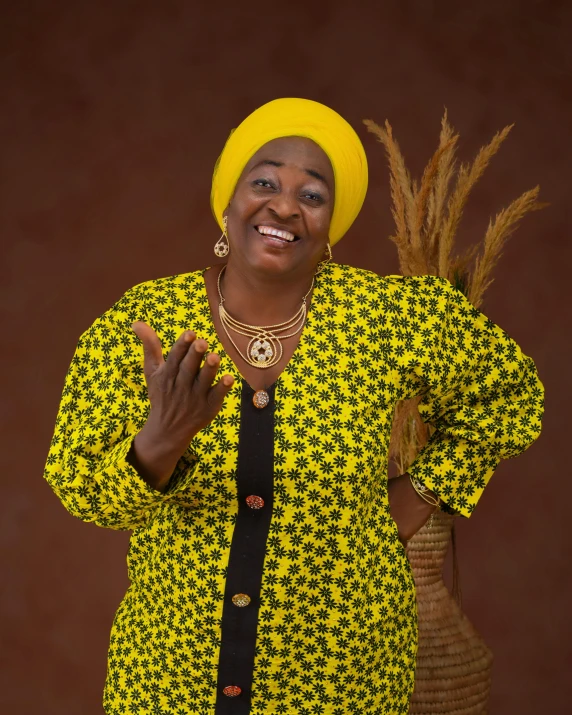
(336, 628)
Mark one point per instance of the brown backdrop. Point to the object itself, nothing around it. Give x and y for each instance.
(113, 113)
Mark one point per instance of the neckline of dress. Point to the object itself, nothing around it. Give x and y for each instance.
(219, 348)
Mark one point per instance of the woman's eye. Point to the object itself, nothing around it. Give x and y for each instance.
(264, 183)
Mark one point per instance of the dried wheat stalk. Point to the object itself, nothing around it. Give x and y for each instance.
(504, 224)
(466, 180)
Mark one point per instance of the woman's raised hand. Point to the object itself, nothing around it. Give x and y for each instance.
(183, 400)
(182, 395)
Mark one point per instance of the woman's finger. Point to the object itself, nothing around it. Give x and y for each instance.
(207, 374)
(218, 392)
(189, 365)
(178, 352)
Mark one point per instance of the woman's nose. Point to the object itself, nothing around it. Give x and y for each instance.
(284, 205)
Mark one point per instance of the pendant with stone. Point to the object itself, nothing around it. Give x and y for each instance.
(263, 352)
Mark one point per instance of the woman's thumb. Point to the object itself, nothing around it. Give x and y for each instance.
(152, 349)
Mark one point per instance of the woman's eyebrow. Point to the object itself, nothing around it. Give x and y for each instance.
(310, 172)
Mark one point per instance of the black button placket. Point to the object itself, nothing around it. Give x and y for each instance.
(254, 475)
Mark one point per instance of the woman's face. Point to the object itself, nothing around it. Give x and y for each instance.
(287, 185)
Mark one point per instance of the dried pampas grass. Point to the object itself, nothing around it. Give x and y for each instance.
(427, 216)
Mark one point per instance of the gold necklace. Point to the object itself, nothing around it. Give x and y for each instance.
(265, 347)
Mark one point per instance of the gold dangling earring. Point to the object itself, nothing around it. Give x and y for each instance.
(323, 264)
(222, 248)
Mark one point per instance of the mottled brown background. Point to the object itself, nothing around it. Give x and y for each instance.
(113, 113)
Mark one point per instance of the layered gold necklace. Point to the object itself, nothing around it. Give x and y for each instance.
(265, 346)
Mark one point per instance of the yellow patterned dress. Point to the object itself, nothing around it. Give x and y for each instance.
(269, 579)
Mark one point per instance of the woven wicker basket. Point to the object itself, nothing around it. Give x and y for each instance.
(453, 673)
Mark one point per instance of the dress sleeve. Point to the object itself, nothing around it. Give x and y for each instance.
(104, 404)
(482, 394)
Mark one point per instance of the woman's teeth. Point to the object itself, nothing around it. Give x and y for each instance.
(269, 231)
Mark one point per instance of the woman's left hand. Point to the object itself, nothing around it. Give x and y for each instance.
(409, 511)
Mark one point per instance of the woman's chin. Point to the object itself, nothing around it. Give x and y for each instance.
(266, 254)
(272, 263)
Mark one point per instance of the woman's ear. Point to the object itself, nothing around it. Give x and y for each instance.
(226, 210)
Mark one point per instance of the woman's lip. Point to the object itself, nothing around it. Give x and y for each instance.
(273, 240)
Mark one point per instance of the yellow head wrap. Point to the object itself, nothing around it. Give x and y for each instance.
(291, 116)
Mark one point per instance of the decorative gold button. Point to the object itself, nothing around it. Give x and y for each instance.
(255, 502)
(241, 599)
(232, 691)
(260, 399)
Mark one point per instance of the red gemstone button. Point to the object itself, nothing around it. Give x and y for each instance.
(232, 691)
(255, 502)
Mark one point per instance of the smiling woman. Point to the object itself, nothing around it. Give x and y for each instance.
(267, 567)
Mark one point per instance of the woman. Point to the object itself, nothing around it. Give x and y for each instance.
(248, 453)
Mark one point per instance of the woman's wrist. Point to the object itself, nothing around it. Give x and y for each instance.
(415, 500)
(408, 509)
(424, 492)
(154, 457)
